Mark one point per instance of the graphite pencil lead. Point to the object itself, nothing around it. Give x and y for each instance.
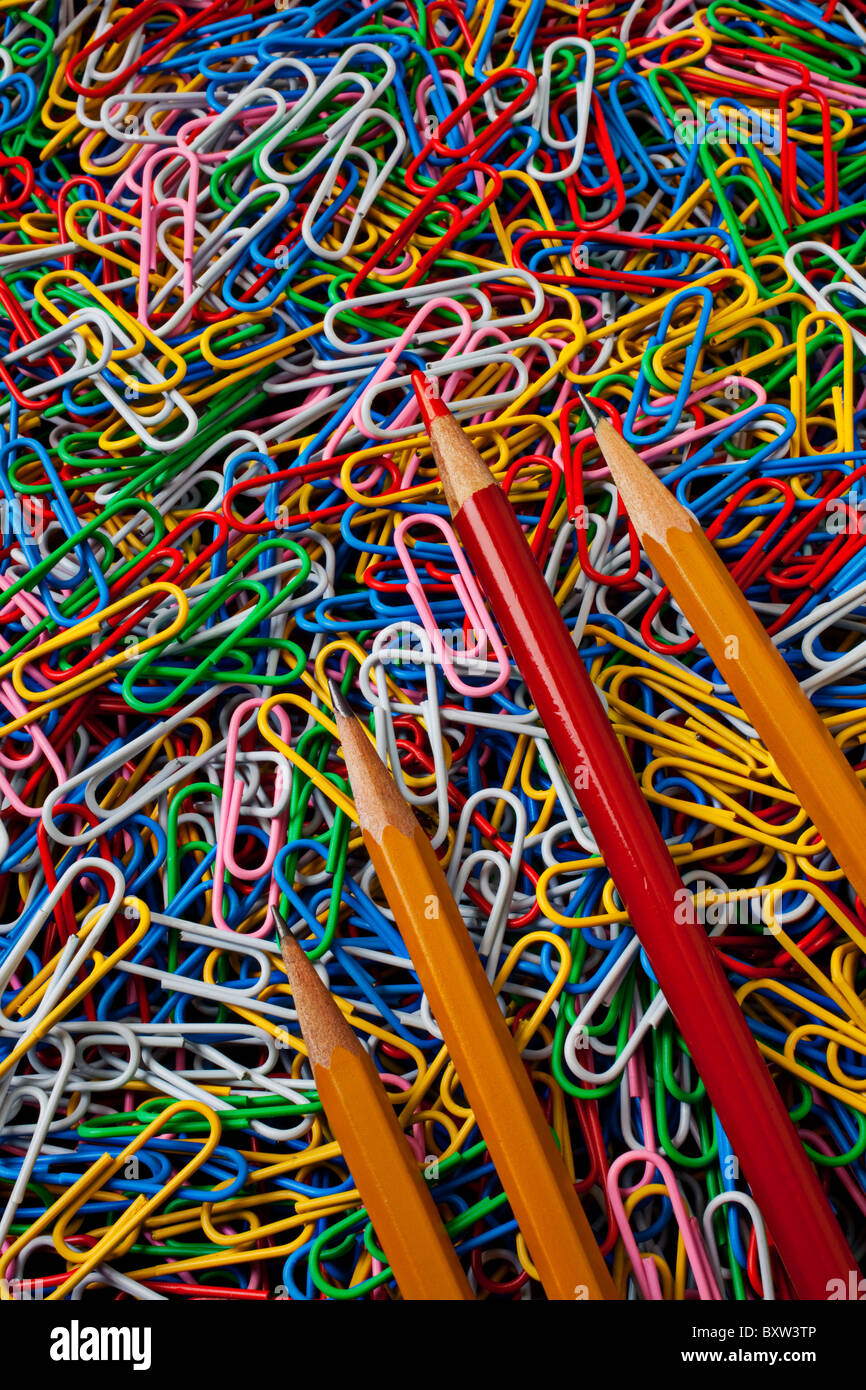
(378, 799)
(339, 702)
(652, 507)
(287, 936)
(593, 414)
(322, 1024)
(281, 925)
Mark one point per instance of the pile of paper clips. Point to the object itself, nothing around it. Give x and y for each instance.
(228, 233)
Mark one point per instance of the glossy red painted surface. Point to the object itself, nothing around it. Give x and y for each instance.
(785, 1184)
(429, 403)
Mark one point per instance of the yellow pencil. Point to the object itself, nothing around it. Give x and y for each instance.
(388, 1179)
(530, 1166)
(809, 759)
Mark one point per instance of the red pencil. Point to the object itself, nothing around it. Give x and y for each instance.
(783, 1181)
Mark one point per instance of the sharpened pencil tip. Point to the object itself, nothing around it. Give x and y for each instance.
(339, 703)
(291, 949)
(431, 405)
(593, 414)
(282, 926)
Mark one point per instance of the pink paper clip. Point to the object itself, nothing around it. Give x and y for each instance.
(232, 796)
(149, 214)
(469, 595)
(643, 1266)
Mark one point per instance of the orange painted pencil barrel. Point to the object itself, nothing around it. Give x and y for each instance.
(809, 759)
(541, 1193)
(530, 1166)
(786, 1187)
(383, 1168)
(793, 732)
(389, 1180)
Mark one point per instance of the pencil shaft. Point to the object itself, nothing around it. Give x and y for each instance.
(389, 1182)
(805, 753)
(767, 690)
(398, 1201)
(530, 1167)
(750, 1109)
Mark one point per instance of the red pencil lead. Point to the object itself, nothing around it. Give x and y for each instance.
(427, 392)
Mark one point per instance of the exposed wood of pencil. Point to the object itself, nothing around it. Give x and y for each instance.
(684, 960)
(793, 732)
(530, 1167)
(387, 1177)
